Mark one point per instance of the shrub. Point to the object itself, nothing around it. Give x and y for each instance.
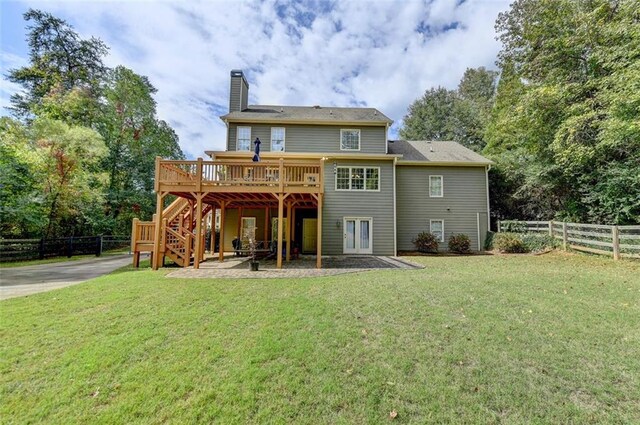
(513, 226)
(509, 242)
(460, 243)
(488, 242)
(426, 242)
(537, 242)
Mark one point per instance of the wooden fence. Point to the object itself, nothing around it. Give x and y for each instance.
(32, 249)
(617, 241)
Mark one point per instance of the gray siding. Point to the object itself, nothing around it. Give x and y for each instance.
(465, 195)
(313, 138)
(377, 205)
(234, 94)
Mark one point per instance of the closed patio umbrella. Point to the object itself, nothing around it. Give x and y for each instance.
(256, 156)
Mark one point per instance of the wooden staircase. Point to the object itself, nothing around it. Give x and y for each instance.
(178, 236)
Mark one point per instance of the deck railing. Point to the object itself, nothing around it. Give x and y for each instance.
(201, 173)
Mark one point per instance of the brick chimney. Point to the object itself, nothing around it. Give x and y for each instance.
(239, 93)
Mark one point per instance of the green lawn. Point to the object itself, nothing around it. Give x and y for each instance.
(480, 339)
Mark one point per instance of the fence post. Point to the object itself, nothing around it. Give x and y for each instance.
(98, 246)
(616, 242)
(70, 247)
(498, 226)
(551, 228)
(41, 249)
(564, 236)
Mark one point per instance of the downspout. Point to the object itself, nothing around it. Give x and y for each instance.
(395, 224)
(487, 168)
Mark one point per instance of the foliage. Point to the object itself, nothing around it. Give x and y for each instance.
(70, 100)
(565, 126)
(59, 60)
(460, 243)
(459, 115)
(488, 241)
(538, 242)
(510, 243)
(513, 226)
(426, 242)
(489, 326)
(21, 209)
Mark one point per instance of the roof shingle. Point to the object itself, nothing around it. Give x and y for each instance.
(432, 151)
(285, 114)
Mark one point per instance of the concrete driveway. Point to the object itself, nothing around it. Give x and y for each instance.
(19, 281)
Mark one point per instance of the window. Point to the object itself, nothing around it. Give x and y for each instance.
(349, 140)
(357, 178)
(244, 139)
(437, 229)
(435, 187)
(277, 139)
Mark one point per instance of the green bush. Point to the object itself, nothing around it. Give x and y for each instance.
(426, 242)
(460, 243)
(488, 241)
(513, 226)
(537, 242)
(509, 242)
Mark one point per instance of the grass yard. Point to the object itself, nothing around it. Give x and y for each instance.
(481, 339)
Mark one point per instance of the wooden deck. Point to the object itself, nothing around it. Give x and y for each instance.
(219, 185)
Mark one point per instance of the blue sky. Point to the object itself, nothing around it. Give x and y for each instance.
(381, 54)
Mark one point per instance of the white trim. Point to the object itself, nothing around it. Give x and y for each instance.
(395, 217)
(359, 138)
(238, 138)
(356, 235)
(364, 189)
(478, 225)
(441, 186)
(431, 224)
(284, 137)
(486, 173)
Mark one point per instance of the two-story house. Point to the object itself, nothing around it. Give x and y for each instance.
(328, 182)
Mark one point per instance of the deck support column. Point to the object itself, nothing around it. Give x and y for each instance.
(221, 242)
(280, 217)
(319, 236)
(157, 255)
(197, 257)
(190, 223)
(266, 226)
(212, 248)
(288, 231)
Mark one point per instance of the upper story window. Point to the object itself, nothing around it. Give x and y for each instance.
(357, 178)
(243, 142)
(349, 140)
(277, 139)
(435, 187)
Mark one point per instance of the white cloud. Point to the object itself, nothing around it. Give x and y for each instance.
(354, 53)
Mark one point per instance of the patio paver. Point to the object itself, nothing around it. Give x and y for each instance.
(238, 267)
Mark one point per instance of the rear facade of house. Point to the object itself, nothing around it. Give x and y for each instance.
(379, 194)
(370, 195)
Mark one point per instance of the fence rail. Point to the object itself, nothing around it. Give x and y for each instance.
(33, 249)
(617, 241)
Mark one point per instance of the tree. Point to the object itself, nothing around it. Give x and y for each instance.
(21, 212)
(59, 60)
(568, 102)
(459, 115)
(67, 160)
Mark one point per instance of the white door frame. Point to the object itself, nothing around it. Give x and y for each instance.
(357, 249)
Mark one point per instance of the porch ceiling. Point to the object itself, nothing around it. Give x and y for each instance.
(253, 200)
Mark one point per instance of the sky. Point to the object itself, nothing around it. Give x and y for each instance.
(380, 54)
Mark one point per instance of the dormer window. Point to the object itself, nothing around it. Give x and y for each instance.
(349, 140)
(244, 139)
(277, 139)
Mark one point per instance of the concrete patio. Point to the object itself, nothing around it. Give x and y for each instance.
(305, 266)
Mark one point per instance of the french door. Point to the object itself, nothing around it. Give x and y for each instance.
(357, 235)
